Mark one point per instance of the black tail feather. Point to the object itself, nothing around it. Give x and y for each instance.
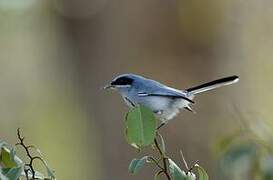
(213, 84)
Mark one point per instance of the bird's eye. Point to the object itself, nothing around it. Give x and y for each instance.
(122, 81)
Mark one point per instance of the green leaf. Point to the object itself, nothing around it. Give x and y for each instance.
(176, 172)
(237, 158)
(226, 142)
(7, 157)
(266, 166)
(2, 143)
(12, 173)
(13, 166)
(2, 176)
(136, 164)
(50, 172)
(202, 173)
(140, 126)
(236, 152)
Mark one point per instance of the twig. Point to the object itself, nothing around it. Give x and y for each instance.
(186, 164)
(29, 166)
(164, 158)
(156, 162)
(184, 161)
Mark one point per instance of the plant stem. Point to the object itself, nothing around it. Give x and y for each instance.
(157, 163)
(30, 164)
(164, 158)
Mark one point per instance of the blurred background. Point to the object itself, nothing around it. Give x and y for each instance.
(56, 55)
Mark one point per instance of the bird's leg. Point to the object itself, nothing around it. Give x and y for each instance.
(160, 125)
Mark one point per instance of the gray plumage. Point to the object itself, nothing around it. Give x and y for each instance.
(164, 101)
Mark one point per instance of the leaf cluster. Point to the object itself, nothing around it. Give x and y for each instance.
(141, 132)
(13, 168)
(245, 155)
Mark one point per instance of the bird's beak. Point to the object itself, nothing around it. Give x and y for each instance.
(109, 86)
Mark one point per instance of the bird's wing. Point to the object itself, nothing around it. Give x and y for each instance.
(166, 92)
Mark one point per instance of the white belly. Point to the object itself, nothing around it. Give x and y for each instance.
(165, 108)
(170, 112)
(156, 103)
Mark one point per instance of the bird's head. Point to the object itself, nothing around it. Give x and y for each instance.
(123, 82)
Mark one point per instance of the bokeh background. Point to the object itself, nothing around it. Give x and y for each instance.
(56, 55)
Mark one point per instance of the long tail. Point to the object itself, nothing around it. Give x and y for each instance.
(213, 84)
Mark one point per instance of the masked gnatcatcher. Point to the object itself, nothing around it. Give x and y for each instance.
(164, 101)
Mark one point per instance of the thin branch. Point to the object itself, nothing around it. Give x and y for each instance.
(29, 166)
(165, 159)
(184, 161)
(189, 169)
(156, 162)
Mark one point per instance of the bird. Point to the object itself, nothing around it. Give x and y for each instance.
(166, 102)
